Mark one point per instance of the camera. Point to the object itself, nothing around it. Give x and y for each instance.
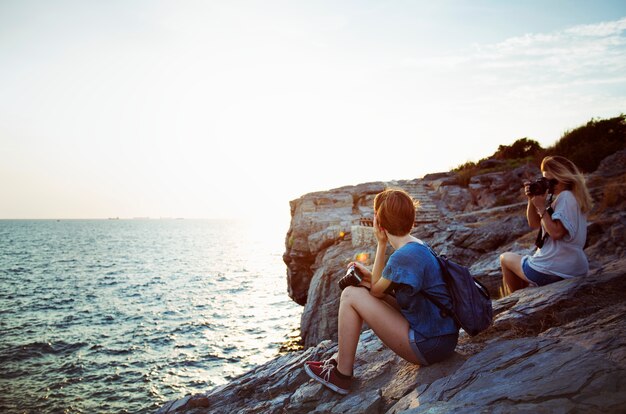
(541, 185)
(352, 278)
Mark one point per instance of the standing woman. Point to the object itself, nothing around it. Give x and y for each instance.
(561, 215)
(413, 327)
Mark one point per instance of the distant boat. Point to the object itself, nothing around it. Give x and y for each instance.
(114, 218)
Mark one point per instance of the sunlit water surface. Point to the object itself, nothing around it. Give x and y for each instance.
(123, 315)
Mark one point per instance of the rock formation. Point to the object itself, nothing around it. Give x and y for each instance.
(559, 348)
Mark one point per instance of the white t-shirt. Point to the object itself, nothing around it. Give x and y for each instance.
(564, 258)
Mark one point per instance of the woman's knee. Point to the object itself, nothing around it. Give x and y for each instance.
(352, 293)
(507, 258)
(503, 258)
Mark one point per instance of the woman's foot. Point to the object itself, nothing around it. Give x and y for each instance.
(327, 374)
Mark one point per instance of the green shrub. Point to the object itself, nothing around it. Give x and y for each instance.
(522, 148)
(587, 145)
(464, 177)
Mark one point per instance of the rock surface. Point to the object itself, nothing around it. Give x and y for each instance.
(559, 348)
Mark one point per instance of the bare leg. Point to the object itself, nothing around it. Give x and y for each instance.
(357, 306)
(512, 274)
(391, 301)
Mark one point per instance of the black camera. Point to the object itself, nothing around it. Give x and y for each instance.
(352, 278)
(541, 185)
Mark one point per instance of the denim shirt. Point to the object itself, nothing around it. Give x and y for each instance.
(413, 269)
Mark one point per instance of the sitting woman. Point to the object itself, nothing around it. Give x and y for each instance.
(411, 325)
(563, 224)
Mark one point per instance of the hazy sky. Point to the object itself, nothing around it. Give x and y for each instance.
(233, 108)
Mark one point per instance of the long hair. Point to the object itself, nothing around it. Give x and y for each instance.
(395, 211)
(566, 172)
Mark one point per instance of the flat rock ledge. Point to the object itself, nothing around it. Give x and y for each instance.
(556, 349)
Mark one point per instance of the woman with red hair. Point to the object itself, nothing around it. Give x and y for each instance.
(409, 324)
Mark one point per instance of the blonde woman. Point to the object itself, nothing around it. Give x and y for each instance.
(561, 214)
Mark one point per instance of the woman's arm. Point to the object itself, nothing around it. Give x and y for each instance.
(378, 283)
(555, 228)
(379, 287)
(534, 221)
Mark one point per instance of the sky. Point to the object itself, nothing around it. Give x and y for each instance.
(230, 109)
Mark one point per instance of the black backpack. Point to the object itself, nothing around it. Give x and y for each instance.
(471, 301)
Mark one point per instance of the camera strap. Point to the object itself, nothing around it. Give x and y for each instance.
(541, 234)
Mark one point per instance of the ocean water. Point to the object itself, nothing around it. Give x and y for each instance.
(120, 316)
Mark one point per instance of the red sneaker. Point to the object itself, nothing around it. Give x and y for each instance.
(328, 374)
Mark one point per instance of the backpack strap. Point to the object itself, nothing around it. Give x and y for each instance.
(445, 311)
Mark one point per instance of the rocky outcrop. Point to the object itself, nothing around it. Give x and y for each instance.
(576, 365)
(319, 220)
(325, 236)
(559, 348)
(490, 220)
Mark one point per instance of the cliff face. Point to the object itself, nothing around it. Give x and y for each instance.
(319, 220)
(559, 348)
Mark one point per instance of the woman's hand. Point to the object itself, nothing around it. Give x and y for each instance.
(377, 289)
(527, 189)
(379, 232)
(364, 271)
(539, 201)
(536, 204)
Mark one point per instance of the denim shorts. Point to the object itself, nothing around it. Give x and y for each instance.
(540, 279)
(431, 350)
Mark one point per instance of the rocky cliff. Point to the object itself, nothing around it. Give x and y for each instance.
(559, 348)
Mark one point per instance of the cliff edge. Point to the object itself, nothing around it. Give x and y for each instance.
(559, 348)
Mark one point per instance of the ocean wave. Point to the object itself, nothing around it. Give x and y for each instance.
(115, 352)
(65, 261)
(22, 352)
(18, 270)
(97, 265)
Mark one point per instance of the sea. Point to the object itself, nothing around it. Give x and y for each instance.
(121, 316)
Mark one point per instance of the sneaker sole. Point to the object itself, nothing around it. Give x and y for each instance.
(326, 383)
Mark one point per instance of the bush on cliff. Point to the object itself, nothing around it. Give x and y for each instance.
(586, 146)
(521, 149)
(589, 144)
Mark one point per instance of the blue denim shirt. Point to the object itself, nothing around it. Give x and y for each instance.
(413, 269)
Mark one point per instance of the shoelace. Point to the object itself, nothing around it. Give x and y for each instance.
(328, 362)
(327, 369)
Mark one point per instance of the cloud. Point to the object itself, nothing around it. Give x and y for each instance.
(593, 54)
(603, 29)
(596, 50)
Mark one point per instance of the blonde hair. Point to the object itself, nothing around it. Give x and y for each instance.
(395, 211)
(567, 173)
